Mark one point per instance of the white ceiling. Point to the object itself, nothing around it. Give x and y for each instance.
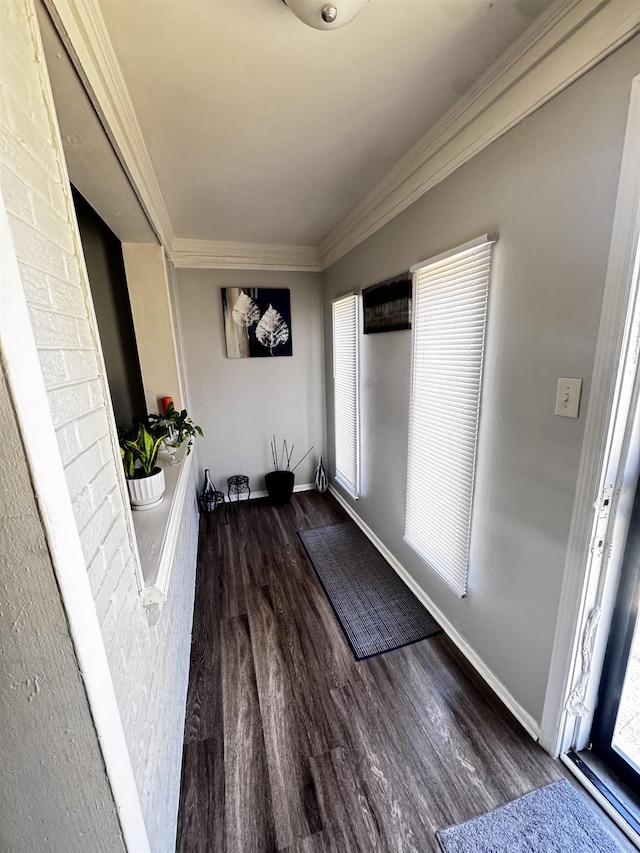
(263, 130)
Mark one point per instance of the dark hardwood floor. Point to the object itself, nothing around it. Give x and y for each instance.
(292, 745)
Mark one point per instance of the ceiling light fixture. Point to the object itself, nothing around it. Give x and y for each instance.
(323, 15)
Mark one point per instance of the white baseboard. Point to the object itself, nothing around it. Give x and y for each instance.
(303, 487)
(523, 717)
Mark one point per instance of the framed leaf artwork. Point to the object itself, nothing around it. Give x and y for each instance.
(257, 321)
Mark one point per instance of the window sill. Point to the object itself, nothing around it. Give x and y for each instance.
(157, 529)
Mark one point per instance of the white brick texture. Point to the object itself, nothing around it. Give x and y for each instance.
(158, 696)
(37, 197)
(149, 662)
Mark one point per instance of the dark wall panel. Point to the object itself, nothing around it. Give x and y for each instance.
(103, 255)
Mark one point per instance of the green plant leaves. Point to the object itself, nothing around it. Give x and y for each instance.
(143, 450)
(179, 420)
(139, 445)
(128, 462)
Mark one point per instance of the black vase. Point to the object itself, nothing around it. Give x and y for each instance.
(280, 486)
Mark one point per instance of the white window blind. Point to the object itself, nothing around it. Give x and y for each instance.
(449, 317)
(345, 393)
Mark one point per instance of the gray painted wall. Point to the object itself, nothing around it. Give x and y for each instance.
(240, 403)
(548, 189)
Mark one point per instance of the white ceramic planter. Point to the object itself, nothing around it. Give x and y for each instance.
(146, 492)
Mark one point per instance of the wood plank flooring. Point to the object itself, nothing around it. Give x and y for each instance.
(292, 745)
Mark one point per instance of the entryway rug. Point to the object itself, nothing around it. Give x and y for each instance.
(375, 609)
(553, 819)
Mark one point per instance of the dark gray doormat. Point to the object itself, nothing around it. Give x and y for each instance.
(376, 610)
(553, 819)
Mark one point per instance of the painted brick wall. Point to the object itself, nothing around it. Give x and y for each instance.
(167, 690)
(153, 716)
(42, 809)
(149, 662)
(36, 193)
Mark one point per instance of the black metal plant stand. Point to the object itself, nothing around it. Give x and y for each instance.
(238, 485)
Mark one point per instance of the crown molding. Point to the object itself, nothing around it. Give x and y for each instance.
(210, 254)
(83, 31)
(84, 34)
(560, 46)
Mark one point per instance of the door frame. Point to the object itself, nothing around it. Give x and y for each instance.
(619, 647)
(607, 476)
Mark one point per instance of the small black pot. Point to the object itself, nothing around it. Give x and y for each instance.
(280, 486)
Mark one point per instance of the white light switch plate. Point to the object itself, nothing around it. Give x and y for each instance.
(568, 397)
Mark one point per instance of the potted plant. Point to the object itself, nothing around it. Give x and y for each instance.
(175, 427)
(145, 480)
(280, 481)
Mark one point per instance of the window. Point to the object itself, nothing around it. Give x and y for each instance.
(345, 393)
(449, 316)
